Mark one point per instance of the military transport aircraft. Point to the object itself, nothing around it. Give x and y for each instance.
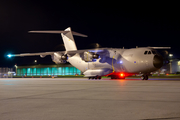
(95, 63)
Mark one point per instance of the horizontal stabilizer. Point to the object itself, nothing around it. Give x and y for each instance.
(58, 32)
(79, 34)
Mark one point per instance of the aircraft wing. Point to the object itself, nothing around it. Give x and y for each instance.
(63, 52)
(160, 47)
(32, 54)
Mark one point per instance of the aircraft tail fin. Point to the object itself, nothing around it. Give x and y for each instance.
(67, 36)
(68, 40)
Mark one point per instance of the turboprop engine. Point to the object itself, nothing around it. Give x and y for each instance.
(89, 56)
(97, 72)
(59, 58)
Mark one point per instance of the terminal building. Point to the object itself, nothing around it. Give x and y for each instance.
(173, 67)
(67, 69)
(47, 70)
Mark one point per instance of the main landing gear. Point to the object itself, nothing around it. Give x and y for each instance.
(95, 77)
(144, 77)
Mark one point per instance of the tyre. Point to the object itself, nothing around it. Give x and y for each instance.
(146, 78)
(142, 77)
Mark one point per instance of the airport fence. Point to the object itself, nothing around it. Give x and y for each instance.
(6, 72)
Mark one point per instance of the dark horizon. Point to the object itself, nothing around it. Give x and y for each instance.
(112, 24)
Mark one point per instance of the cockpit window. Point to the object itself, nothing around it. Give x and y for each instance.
(149, 52)
(154, 52)
(145, 52)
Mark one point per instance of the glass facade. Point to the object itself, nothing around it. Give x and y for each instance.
(48, 71)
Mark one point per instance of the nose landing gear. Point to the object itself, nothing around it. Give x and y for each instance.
(144, 77)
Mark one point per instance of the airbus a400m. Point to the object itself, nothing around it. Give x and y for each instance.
(95, 63)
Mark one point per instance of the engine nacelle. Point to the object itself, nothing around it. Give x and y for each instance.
(42, 56)
(95, 56)
(89, 56)
(97, 72)
(59, 58)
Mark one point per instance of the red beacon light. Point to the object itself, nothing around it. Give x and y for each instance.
(122, 75)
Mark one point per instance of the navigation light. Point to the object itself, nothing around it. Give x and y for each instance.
(9, 55)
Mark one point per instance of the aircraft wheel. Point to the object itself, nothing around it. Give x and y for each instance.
(98, 77)
(143, 77)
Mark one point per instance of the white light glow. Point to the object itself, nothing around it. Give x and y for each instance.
(178, 63)
(9, 55)
(121, 62)
(170, 55)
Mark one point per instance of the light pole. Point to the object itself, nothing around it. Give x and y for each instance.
(170, 62)
(170, 55)
(15, 69)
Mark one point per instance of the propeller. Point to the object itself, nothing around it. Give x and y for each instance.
(94, 46)
(165, 55)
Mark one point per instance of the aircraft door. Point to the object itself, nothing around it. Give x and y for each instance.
(116, 62)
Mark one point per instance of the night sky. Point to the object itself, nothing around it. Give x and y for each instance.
(109, 23)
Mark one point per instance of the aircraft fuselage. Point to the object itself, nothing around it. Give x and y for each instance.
(135, 60)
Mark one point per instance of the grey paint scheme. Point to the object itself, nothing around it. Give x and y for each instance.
(111, 59)
(125, 60)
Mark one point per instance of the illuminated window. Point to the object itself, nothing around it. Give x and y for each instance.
(54, 71)
(24, 71)
(42, 71)
(71, 71)
(38, 70)
(78, 72)
(178, 63)
(33, 71)
(60, 71)
(45, 71)
(49, 71)
(66, 71)
(28, 71)
(75, 70)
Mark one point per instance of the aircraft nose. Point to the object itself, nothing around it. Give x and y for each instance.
(158, 61)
